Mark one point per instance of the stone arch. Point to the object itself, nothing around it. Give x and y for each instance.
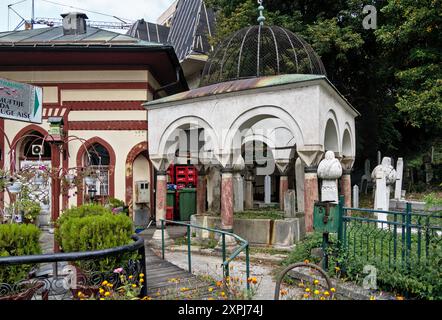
(139, 149)
(252, 116)
(347, 142)
(197, 122)
(112, 163)
(20, 136)
(331, 133)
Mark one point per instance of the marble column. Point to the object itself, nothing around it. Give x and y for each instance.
(160, 209)
(283, 187)
(214, 189)
(248, 197)
(310, 195)
(346, 187)
(267, 189)
(299, 172)
(201, 192)
(226, 200)
(238, 192)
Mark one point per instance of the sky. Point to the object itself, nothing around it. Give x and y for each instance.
(150, 10)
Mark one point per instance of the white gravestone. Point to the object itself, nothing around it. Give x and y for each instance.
(384, 176)
(399, 172)
(355, 196)
(329, 170)
(290, 204)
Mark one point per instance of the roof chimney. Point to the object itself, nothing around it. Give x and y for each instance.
(74, 23)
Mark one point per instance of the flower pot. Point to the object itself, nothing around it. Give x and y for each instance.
(15, 187)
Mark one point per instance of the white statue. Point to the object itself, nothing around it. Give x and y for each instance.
(329, 170)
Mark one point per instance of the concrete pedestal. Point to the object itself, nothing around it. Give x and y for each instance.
(160, 212)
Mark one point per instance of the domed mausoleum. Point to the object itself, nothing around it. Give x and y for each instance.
(259, 51)
(258, 125)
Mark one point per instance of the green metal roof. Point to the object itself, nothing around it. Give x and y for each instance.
(237, 85)
(54, 36)
(242, 85)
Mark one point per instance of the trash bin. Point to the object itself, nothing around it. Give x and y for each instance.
(187, 204)
(170, 204)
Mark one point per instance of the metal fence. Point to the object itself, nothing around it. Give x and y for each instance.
(243, 246)
(397, 239)
(60, 276)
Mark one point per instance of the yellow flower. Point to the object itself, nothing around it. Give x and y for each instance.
(130, 277)
(219, 283)
(306, 295)
(337, 269)
(102, 299)
(141, 280)
(110, 285)
(223, 294)
(210, 289)
(101, 290)
(306, 261)
(316, 281)
(316, 292)
(104, 283)
(301, 284)
(372, 298)
(326, 293)
(141, 275)
(134, 285)
(322, 298)
(307, 289)
(184, 289)
(332, 289)
(79, 293)
(399, 298)
(107, 294)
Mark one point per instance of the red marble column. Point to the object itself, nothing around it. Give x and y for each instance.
(227, 200)
(201, 193)
(283, 187)
(310, 195)
(346, 187)
(160, 197)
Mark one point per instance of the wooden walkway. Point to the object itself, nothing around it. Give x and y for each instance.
(165, 279)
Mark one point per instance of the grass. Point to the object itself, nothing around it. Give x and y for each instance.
(266, 213)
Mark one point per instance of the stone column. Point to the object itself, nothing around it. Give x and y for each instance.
(201, 192)
(160, 209)
(310, 195)
(238, 192)
(248, 203)
(267, 189)
(214, 189)
(283, 187)
(227, 200)
(299, 173)
(346, 187)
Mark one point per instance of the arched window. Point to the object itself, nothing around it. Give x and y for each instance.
(32, 147)
(98, 160)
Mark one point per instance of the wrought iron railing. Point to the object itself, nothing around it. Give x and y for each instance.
(59, 276)
(243, 246)
(403, 239)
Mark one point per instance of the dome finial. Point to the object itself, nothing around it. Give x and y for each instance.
(261, 17)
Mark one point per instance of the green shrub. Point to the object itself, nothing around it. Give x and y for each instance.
(78, 212)
(18, 240)
(96, 232)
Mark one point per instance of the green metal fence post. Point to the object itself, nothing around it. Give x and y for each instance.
(226, 266)
(162, 238)
(247, 267)
(408, 224)
(188, 249)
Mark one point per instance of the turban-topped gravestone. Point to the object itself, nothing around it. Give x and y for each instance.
(329, 170)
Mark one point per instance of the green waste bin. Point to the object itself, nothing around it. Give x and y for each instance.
(170, 204)
(187, 203)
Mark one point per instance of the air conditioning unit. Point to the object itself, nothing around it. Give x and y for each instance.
(37, 150)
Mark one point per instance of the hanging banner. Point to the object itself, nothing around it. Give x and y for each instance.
(20, 101)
